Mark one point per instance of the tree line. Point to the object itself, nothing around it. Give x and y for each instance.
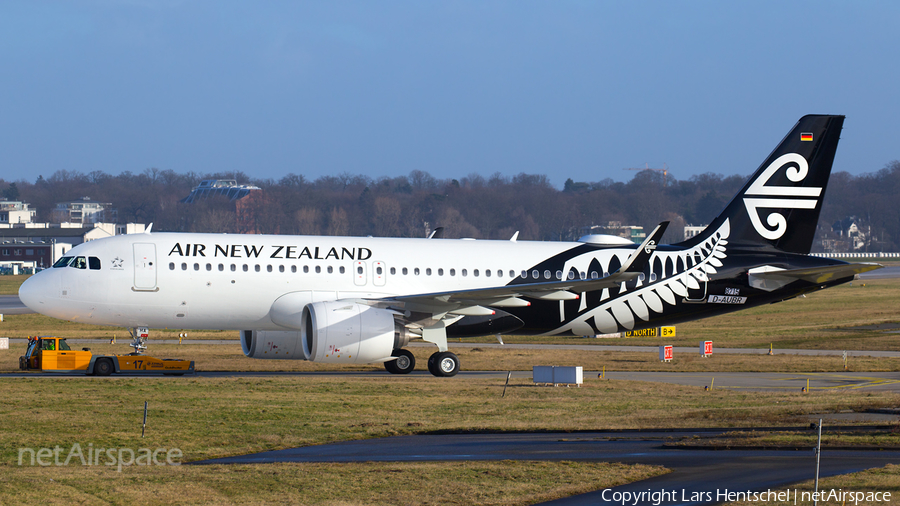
(493, 207)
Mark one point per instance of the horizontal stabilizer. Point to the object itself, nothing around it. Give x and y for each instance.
(771, 278)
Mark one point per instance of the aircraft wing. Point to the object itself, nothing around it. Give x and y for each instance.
(473, 302)
(770, 278)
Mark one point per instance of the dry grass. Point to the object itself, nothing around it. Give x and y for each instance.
(883, 479)
(9, 285)
(207, 418)
(493, 483)
(215, 417)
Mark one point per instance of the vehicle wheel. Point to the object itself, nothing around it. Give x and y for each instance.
(443, 364)
(432, 363)
(103, 367)
(23, 365)
(405, 363)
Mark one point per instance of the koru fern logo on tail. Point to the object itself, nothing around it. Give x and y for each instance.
(775, 197)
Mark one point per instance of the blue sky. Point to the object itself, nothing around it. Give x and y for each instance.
(564, 88)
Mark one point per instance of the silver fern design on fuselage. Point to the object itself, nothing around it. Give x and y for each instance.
(630, 308)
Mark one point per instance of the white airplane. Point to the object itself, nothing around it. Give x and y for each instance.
(361, 299)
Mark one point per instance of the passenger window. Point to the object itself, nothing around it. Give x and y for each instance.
(293, 268)
(280, 268)
(487, 272)
(221, 267)
(440, 272)
(318, 269)
(594, 275)
(196, 267)
(94, 263)
(416, 271)
(379, 270)
(453, 272)
(359, 269)
(475, 273)
(330, 269)
(171, 266)
(184, 266)
(342, 269)
(306, 269)
(246, 267)
(405, 271)
(208, 267)
(465, 272)
(393, 271)
(535, 274)
(559, 274)
(268, 268)
(547, 274)
(233, 267)
(256, 267)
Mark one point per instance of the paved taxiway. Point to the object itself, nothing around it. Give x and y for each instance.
(694, 471)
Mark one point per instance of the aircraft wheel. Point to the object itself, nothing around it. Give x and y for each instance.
(443, 364)
(103, 367)
(405, 363)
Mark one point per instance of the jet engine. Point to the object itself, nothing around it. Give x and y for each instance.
(272, 344)
(350, 333)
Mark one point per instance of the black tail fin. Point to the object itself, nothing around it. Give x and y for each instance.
(780, 204)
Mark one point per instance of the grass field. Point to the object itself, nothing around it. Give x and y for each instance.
(206, 417)
(885, 479)
(210, 417)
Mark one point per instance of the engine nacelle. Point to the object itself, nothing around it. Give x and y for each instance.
(350, 333)
(272, 344)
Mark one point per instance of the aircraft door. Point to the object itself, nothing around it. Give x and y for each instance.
(145, 267)
(359, 273)
(378, 274)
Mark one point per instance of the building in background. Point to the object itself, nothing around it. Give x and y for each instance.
(692, 230)
(14, 212)
(36, 246)
(84, 210)
(223, 187)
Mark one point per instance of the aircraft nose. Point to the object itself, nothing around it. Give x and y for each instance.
(34, 291)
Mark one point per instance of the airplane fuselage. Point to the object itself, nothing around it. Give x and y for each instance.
(221, 281)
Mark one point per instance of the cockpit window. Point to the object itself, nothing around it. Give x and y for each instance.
(62, 262)
(94, 263)
(79, 263)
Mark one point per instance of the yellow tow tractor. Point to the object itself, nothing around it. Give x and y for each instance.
(53, 354)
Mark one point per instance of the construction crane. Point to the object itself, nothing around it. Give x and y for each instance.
(664, 170)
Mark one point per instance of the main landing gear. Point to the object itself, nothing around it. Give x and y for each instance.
(442, 364)
(404, 364)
